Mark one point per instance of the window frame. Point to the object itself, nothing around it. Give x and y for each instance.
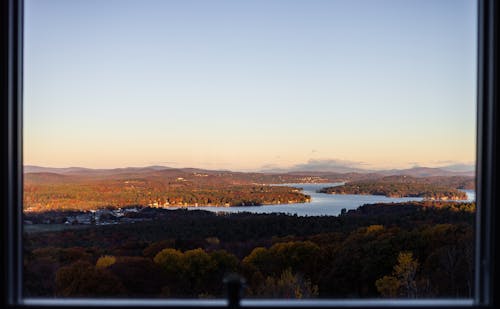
(11, 85)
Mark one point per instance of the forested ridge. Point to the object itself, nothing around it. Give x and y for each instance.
(115, 194)
(436, 188)
(94, 189)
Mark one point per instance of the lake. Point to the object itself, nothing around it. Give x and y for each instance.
(321, 204)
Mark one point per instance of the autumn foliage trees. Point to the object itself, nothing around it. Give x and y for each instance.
(435, 188)
(95, 195)
(384, 250)
(402, 281)
(166, 188)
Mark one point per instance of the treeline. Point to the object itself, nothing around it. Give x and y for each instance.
(359, 254)
(434, 188)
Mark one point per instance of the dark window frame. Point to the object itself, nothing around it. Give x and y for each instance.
(11, 83)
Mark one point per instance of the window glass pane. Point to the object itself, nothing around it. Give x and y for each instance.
(319, 149)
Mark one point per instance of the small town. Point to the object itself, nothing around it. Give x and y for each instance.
(103, 216)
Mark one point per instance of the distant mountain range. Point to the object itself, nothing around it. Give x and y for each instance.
(429, 172)
(329, 166)
(84, 170)
(452, 170)
(417, 171)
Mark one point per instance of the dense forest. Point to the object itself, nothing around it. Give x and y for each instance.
(434, 188)
(414, 249)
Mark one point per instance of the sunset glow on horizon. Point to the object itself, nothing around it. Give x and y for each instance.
(250, 85)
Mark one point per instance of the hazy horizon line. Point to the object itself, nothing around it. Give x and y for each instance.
(463, 166)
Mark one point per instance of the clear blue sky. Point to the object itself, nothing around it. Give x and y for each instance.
(249, 84)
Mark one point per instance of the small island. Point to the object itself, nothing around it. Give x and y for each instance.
(400, 186)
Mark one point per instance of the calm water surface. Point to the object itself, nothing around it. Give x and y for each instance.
(321, 204)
